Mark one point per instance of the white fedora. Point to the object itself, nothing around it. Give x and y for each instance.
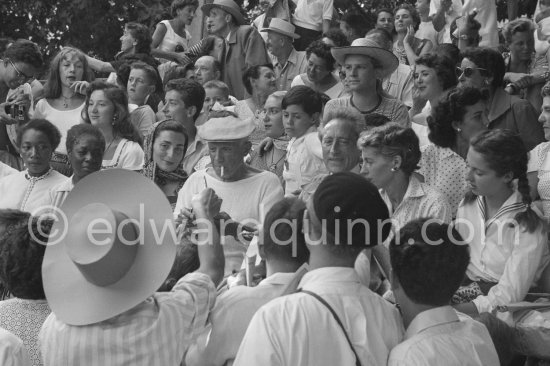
(111, 255)
(386, 61)
(282, 27)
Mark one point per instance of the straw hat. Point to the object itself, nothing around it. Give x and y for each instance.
(386, 60)
(282, 27)
(110, 258)
(229, 6)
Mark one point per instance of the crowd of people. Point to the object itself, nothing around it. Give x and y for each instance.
(300, 190)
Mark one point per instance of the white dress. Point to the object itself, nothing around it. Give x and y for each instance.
(128, 155)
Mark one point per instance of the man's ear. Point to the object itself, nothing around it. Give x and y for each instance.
(247, 146)
(191, 112)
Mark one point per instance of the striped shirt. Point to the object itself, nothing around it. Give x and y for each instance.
(156, 332)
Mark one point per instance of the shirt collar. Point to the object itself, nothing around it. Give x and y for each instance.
(279, 278)
(329, 274)
(502, 101)
(431, 318)
(292, 58)
(36, 179)
(513, 203)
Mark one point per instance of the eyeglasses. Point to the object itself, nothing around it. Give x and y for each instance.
(467, 71)
(20, 74)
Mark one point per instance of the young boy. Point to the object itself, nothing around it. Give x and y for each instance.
(215, 91)
(428, 265)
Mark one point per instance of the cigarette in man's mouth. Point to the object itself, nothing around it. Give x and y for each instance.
(221, 171)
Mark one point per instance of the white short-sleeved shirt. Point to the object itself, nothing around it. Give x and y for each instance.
(311, 13)
(539, 162)
(454, 12)
(128, 155)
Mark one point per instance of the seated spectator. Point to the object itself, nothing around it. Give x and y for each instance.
(302, 107)
(29, 190)
(64, 98)
(507, 238)
(215, 91)
(484, 68)
(113, 312)
(384, 20)
(427, 268)
(234, 308)
(164, 147)
(406, 47)
(107, 109)
(247, 193)
(458, 117)
(207, 68)
(85, 148)
(142, 83)
(331, 300)
(24, 240)
(319, 71)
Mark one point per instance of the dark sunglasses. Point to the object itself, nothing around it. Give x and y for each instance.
(467, 71)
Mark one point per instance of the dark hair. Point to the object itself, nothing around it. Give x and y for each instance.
(304, 96)
(356, 21)
(191, 92)
(52, 87)
(321, 50)
(505, 152)
(429, 274)
(44, 126)
(517, 26)
(26, 52)
(413, 13)
(208, 44)
(382, 10)
(382, 37)
(82, 129)
(150, 71)
(290, 212)
(451, 108)
(142, 36)
(180, 4)
(545, 91)
(171, 125)
(21, 253)
(394, 140)
(337, 36)
(186, 261)
(253, 72)
(448, 50)
(490, 60)
(444, 67)
(121, 125)
(175, 72)
(471, 27)
(376, 120)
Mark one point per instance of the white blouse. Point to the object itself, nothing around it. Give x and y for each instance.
(128, 155)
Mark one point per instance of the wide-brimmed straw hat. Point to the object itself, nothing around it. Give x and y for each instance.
(385, 60)
(229, 6)
(282, 27)
(111, 254)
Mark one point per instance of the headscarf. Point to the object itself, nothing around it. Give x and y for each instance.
(150, 169)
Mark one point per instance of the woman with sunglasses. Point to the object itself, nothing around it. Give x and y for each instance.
(19, 63)
(483, 68)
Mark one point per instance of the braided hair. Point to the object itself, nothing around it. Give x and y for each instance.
(505, 152)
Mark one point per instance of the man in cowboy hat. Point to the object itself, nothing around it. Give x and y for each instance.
(115, 247)
(247, 193)
(244, 46)
(365, 63)
(287, 61)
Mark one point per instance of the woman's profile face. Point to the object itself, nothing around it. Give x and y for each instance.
(127, 41)
(482, 180)
(273, 120)
(474, 121)
(36, 151)
(86, 155)
(426, 82)
(316, 68)
(101, 110)
(266, 83)
(169, 150)
(376, 167)
(471, 75)
(522, 46)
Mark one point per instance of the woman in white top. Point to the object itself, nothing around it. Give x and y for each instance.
(171, 37)
(507, 238)
(29, 190)
(107, 109)
(319, 73)
(64, 98)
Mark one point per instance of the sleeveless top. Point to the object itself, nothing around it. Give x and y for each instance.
(171, 39)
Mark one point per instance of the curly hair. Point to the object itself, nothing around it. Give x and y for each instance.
(25, 51)
(412, 12)
(429, 274)
(337, 37)
(180, 4)
(82, 129)
(393, 140)
(490, 60)
(517, 26)
(52, 87)
(505, 152)
(451, 108)
(121, 124)
(253, 72)
(347, 115)
(321, 50)
(23, 243)
(444, 68)
(44, 126)
(142, 35)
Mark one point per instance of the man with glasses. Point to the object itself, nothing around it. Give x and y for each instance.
(20, 63)
(365, 63)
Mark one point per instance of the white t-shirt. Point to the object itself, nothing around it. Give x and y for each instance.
(311, 13)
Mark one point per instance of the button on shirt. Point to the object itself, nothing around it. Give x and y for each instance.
(295, 65)
(299, 330)
(439, 336)
(499, 252)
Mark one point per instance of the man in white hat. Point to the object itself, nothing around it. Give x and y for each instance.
(287, 61)
(365, 64)
(247, 193)
(114, 248)
(244, 46)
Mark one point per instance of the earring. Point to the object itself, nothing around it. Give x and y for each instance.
(394, 169)
(486, 82)
(458, 129)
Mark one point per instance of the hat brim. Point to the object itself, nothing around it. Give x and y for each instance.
(71, 297)
(288, 34)
(236, 14)
(387, 61)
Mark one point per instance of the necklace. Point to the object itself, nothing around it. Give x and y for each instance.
(66, 100)
(273, 166)
(109, 146)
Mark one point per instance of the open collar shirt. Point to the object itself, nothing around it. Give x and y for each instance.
(294, 66)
